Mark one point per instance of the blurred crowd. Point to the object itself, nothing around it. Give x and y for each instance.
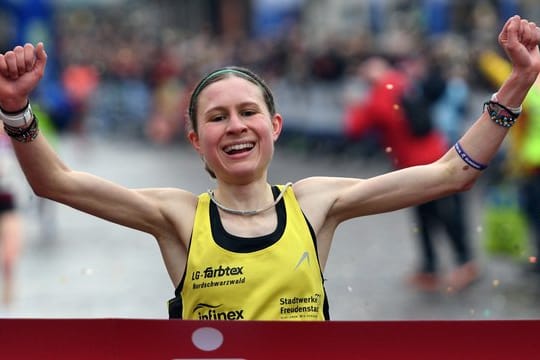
(127, 72)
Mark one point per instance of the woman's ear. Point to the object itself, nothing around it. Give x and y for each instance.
(277, 126)
(194, 140)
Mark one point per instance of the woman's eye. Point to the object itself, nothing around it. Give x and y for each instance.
(248, 112)
(217, 117)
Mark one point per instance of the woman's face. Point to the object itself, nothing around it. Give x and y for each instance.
(236, 132)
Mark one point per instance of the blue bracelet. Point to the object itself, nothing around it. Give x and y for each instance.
(468, 159)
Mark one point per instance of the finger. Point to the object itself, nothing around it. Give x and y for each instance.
(535, 34)
(41, 59)
(19, 55)
(527, 34)
(29, 57)
(11, 63)
(509, 30)
(532, 40)
(3, 66)
(522, 30)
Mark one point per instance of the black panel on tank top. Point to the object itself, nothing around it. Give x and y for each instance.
(245, 245)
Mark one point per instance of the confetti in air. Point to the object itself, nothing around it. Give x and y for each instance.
(390, 86)
(396, 106)
(388, 149)
(532, 259)
(495, 283)
(349, 288)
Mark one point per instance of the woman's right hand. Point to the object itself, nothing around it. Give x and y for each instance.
(21, 69)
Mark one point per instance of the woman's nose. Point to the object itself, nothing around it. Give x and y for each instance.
(236, 123)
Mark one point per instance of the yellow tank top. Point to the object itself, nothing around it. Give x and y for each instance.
(272, 277)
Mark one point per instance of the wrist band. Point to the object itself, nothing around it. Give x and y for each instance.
(17, 119)
(24, 135)
(517, 110)
(500, 114)
(468, 159)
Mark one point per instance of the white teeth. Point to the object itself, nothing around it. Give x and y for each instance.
(238, 147)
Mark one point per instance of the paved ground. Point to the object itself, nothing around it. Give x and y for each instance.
(91, 268)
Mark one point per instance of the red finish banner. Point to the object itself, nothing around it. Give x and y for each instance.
(105, 339)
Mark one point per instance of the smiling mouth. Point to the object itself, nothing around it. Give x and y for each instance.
(238, 148)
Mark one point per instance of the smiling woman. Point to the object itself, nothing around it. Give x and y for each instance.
(224, 88)
(227, 260)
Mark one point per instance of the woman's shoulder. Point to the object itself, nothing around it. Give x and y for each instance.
(317, 186)
(172, 200)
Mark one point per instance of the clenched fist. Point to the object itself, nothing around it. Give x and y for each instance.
(21, 69)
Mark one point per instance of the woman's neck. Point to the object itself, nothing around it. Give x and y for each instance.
(247, 197)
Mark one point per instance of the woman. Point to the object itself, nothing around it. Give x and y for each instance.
(249, 250)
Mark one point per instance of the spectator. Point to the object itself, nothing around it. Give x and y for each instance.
(383, 109)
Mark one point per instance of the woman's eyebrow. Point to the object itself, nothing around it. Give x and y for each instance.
(240, 105)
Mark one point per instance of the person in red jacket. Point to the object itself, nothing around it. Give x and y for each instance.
(409, 144)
